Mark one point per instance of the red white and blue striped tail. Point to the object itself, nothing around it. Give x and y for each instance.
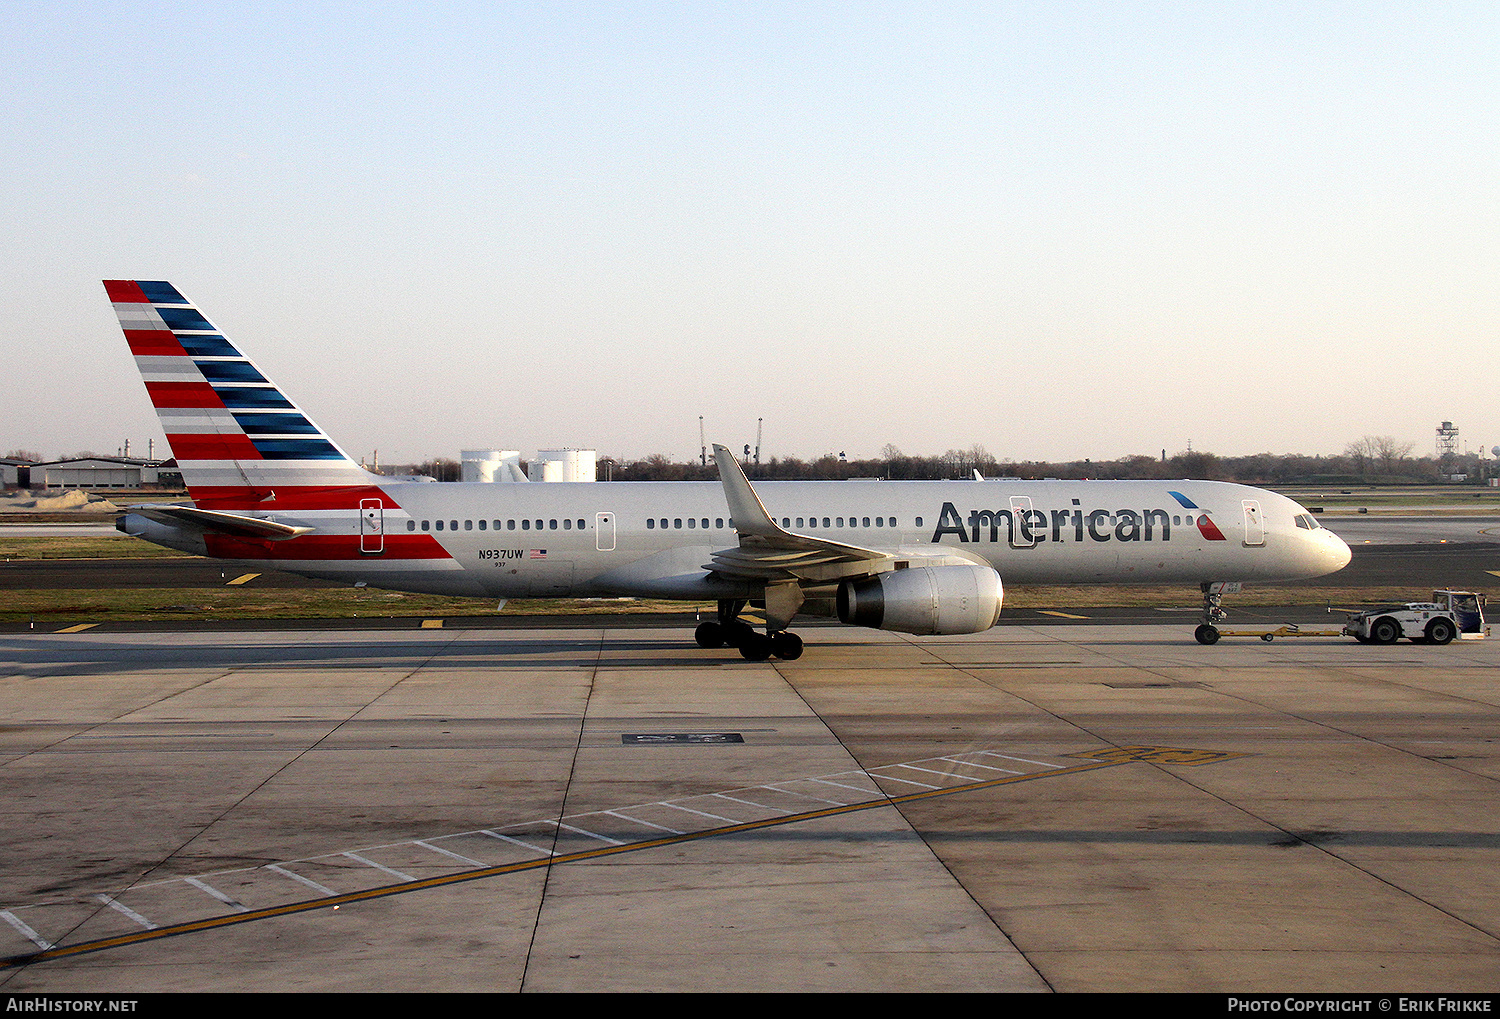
(239, 441)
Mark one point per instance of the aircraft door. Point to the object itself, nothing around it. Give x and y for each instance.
(1021, 536)
(371, 527)
(604, 532)
(1255, 527)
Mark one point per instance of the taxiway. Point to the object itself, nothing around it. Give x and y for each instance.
(1073, 808)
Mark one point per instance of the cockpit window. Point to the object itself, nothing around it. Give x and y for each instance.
(1308, 522)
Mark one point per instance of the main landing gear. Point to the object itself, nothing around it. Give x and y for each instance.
(731, 631)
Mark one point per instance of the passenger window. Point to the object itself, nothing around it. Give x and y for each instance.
(880, 521)
(468, 525)
(825, 522)
(526, 525)
(677, 523)
(440, 525)
(580, 523)
(552, 525)
(453, 525)
(705, 523)
(510, 525)
(424, 525)
(483, 524)
(650, 523)
(867, 522)
(692, 522)
(719, 522)
(800, 523)
(411, 525)
(918, 523)
(839, 521)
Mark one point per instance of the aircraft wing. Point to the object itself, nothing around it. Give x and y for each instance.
(768, 552)
(233, 524)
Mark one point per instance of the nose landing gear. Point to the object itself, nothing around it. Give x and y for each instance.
(1213, 612)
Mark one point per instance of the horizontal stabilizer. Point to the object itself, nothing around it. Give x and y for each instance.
(232, 524)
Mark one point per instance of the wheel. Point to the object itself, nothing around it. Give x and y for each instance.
(735, 633)
(1385, 631)
(756, 647)
(1206, 634)
(786, 646)
(709, 634)
(1268, 637)
(1441, 631)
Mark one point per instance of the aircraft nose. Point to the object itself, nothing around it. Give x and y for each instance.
(1337, 551)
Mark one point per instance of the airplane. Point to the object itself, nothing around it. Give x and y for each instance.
(919, 557)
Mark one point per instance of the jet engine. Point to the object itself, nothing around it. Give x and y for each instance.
(924, 600)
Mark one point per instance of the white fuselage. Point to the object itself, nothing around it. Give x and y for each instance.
(514, 540)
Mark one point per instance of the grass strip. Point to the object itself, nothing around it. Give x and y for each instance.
(103, 546)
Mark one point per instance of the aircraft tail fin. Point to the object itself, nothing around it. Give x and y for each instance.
(238, 440)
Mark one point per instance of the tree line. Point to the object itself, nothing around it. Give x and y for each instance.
(1371, 460)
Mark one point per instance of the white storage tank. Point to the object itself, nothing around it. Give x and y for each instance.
(490, 465)
(563, 465)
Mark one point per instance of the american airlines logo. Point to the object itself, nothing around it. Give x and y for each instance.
(1027, 527)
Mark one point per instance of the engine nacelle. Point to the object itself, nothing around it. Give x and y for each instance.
(924, 600)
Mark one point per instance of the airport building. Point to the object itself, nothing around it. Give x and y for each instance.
(102, 472)
(15, 473)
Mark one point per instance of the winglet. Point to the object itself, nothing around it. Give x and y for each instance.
(768, 544)
(750, 516)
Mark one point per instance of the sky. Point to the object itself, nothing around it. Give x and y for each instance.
(1057, 230)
